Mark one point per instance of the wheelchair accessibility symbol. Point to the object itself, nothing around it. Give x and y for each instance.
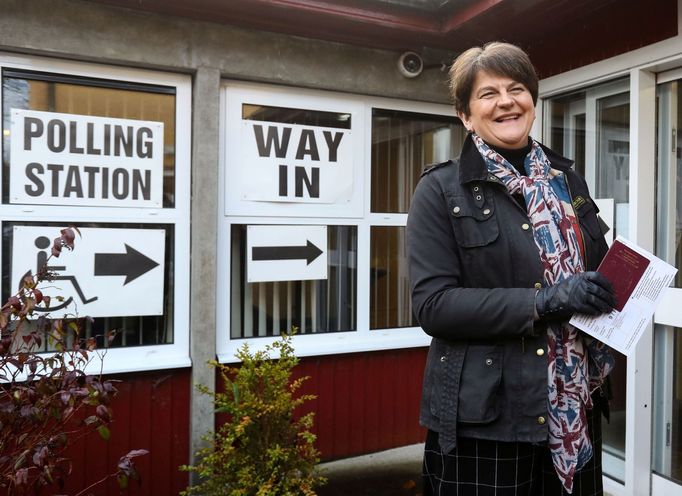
(43, 245)
(111, 272)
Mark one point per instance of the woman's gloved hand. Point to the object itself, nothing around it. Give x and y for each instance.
(587, 292)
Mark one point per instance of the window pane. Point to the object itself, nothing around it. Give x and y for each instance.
(402, 144)
(613, 148)
(268, 308)
(390, 303)
(296, 116)
(567, 133)
(66, 95)
(669, 184)
(132, 330)
(667, 449)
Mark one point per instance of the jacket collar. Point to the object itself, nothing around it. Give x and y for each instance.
(472, 166)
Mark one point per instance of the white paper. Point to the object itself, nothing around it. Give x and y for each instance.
(622, 330)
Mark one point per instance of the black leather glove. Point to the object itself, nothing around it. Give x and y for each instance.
(587, 292)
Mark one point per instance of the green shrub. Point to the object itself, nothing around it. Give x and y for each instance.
(263, 449)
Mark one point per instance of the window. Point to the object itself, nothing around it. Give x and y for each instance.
(102, 149)
(298, 163)
(402, 144)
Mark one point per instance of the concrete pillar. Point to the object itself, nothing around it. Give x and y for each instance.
(205, 163)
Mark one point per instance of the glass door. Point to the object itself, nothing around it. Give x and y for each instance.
(667, 426)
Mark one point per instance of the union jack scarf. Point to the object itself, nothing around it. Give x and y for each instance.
(577, 364)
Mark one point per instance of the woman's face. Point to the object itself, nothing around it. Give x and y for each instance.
(501, 111)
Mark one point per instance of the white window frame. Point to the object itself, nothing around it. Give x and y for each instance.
(133, 358)
(362, 339)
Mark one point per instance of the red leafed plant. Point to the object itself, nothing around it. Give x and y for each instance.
(47, 400)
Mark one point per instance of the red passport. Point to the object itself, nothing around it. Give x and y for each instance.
(623, 267)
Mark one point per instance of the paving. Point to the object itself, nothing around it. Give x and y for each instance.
(395, 472)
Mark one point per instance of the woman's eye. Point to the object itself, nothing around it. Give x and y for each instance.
(516, 90)
(487, 94)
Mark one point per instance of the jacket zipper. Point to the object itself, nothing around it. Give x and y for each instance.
(577, 220)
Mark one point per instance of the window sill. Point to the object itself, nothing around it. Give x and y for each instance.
(336, 343)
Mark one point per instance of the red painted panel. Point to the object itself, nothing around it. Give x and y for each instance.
(151, 411)
(357, 377)
(366, 401)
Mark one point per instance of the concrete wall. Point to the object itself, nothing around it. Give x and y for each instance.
(87, 31)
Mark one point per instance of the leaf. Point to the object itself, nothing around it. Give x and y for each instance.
(28, 281)
(122, 481)
(21, 477)
(137, 452)
(68, 237)
(56, 247)
(21, 459)
(92, 419)
(235, 391)
(104, 432)
(103, 413)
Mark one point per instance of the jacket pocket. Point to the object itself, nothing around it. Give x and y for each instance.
(480, 384)
(473, 225)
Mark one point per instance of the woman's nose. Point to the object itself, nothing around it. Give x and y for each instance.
(505, 99)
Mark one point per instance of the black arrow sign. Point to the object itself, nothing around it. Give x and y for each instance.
(131, 264)
(308, 252)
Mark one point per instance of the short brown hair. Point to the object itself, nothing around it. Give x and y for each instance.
(501, 59)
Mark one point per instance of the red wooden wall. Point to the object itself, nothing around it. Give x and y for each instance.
(365, 401)
(151, 411)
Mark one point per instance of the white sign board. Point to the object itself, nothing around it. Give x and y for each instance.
(71, 159)
(290, 152)
(296, 163)
(286, 253)
(606, 209)
(111, 271)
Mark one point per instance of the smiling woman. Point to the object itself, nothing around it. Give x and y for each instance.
(501, 254)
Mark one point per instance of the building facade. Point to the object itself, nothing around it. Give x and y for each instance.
(251, 171)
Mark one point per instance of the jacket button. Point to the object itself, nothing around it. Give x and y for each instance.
(486, 211)
(488, 361)
(538, 285)
(541, 420)
(479, 197)
(456, 210)
(442, 359)
(476, 188)
(525, 226)
(540, 352)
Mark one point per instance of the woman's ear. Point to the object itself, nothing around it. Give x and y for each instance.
(466, 121)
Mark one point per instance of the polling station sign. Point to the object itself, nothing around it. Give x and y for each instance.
(82, 160)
